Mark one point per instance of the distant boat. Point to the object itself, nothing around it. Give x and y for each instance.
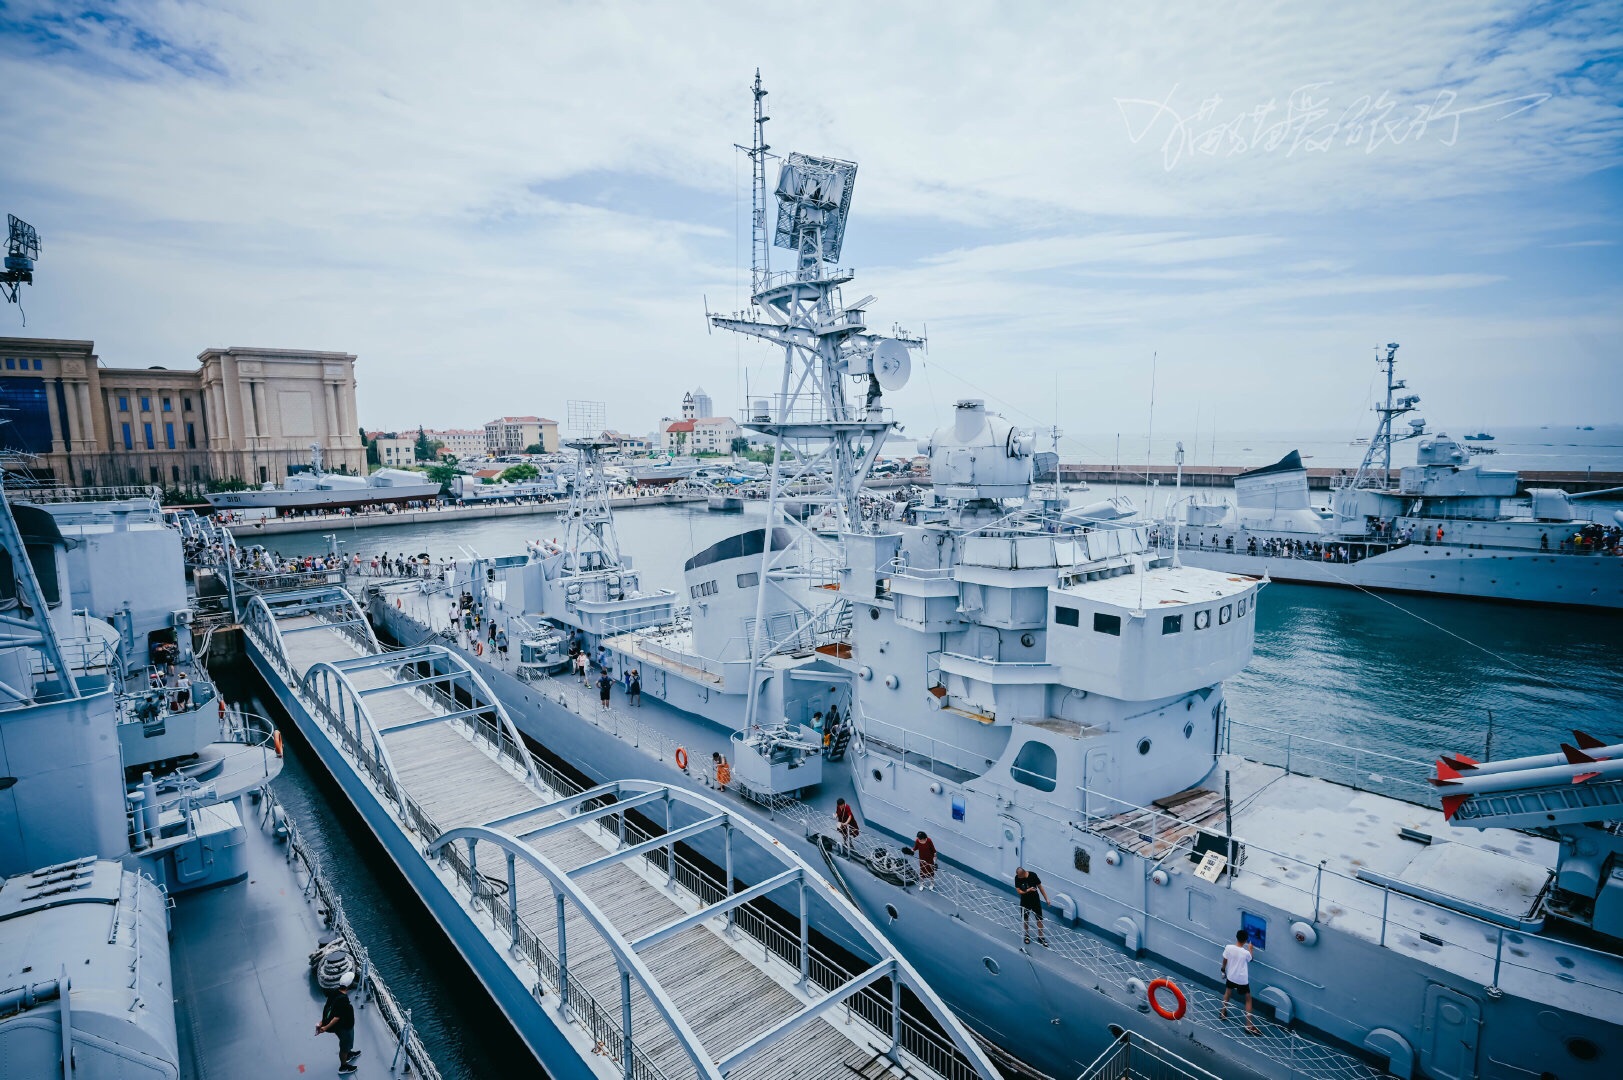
(1588, 427)
(1361, 441)
(1481, 436)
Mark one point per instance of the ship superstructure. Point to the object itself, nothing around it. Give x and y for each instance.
(1448, 524)
(1039, 686)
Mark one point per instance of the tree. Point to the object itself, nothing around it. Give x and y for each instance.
(426, 449)
(516, 473)
(371, 447)
(740, 445)
(443, 473)
(535, 448)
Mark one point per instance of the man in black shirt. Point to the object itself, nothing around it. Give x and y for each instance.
(338, 1016)
(1032, 896)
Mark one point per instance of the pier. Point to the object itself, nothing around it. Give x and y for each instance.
(612, 953)
(280, 526)
(1320, 479)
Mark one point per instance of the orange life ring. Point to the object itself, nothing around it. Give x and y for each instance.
(681, 759)
(397, 602)
(276, 736)
(1155, 1003)
(222, 708)
(478, 648)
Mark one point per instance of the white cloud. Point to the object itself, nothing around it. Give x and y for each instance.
(388, 180)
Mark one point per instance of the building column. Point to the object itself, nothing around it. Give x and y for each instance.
(90, 420)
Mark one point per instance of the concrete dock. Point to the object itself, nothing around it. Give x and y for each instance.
(378, 519)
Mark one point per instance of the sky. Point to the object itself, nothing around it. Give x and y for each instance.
(1220, 208)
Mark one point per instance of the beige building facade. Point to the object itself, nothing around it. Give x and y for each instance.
(513, 434)
(244, 414)
(463, 443)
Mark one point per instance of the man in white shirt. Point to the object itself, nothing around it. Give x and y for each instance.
(1237, 977)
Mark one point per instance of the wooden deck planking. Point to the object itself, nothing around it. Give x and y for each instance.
(720, 991)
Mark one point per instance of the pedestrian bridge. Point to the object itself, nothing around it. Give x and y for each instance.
(652, 964)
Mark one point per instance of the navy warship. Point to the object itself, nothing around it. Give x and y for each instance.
(1033, 686)
(159, 914)
(1449, 526)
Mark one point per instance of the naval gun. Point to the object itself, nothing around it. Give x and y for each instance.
(775, 761)
(1575, 796)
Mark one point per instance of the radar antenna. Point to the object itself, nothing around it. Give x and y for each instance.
(589, 537)
(825, 439)
(1380, 447)
(22, 248)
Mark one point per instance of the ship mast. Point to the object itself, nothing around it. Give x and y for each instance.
(1380, 447)
(590, 542)
(823, 442)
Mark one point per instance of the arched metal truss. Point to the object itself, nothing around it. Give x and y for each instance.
(441, 678)
(796, 874)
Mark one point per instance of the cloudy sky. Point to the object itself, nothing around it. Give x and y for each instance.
(502, 207)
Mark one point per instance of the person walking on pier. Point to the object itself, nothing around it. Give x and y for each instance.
(1032, 898)
(338, 1017)
(1237, 977)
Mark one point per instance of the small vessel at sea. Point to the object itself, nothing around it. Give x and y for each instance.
(318, 489)
(1445, 525)
(665, 470)
(925, 708)
(1481, 436)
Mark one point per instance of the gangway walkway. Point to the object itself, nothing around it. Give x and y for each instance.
(590, 908)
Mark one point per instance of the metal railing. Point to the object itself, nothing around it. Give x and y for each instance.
(1340, 762)
(1133, 1057)
(921, 750)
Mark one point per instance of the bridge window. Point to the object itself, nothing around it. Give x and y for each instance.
(749, 580)
(1106, 624)
(1224, 613)
(1172, 624)
(704, 588)
(1067, 616)
(1036, 765)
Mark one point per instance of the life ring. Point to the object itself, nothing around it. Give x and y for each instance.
(276, 736)
(1155, 1003)
(397, 602)
(222, 708)
(478, 648)
(681, 759)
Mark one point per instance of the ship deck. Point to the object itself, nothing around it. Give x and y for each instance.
(726, 987)
(245, 1001)
(1291, 824)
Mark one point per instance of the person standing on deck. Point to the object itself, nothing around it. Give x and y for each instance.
(846, 819)
(724, 771)
(604, 685)
(634, 689)
(338, 1017)
(924, 848)
(580, 666)
(1237, 976)
(1032, 898)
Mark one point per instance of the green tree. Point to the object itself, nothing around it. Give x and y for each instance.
(535, 448)
(371, 448)
(740, 445)
(426, 449)
(442, 473)
(515, 473)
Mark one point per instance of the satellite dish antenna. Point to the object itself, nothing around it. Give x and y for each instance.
(892, 363)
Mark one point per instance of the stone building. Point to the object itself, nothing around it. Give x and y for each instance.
(514, 434)
(245, 414)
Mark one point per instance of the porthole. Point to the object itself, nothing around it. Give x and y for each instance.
(1224, 613)
(1143, 746)
(873, 613)
(1583, 1049)
(1203, 619)
(991, 965)
(878, 776)
(1189, 730)
(1027, 640)
(892, 913)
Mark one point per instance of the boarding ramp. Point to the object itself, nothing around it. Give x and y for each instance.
(667, 968)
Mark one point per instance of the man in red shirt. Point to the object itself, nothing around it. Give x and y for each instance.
(924, 848)
(846, 819)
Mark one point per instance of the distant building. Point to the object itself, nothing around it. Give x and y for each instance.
(462, 443)
(628, 444)
(676, 435)
(513, 434)
(396, 453)
(696, 405)
(714, 434)
(246, 414)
